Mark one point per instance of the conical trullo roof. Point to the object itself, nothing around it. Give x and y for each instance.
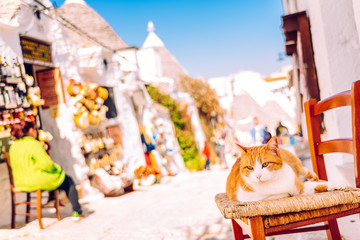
(244, 108)
(152, 40)
(8, 9)
(81, 15)
(276, 111)
(171, 68)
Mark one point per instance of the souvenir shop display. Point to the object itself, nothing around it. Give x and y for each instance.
(44, 137)
(88, 103)
(106, 172)
(108, 184)
(89, 111)
(147, 175)
(98, 150)
(18, 98)
(100, 146)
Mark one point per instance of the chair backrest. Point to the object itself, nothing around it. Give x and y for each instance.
(12, 186)
(319, 147)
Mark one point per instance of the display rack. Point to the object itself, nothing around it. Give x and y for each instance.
(97, 150)
(14, 102)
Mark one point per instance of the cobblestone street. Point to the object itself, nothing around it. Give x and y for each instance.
(181, 208)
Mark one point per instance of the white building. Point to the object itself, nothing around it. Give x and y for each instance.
(322, 37)
(67, 50)
(20, 21)
(158, 67)
(105, 59)
(245, 95)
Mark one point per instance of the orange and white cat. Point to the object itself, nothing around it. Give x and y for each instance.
(269, 172)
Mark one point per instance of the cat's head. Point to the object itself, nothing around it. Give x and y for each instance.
(261, 163)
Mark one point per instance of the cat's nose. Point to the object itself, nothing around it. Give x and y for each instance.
(258, 176)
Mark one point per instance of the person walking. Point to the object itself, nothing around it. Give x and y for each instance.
(267, 135)
(281, 130)
(206, 152)
(258, 133)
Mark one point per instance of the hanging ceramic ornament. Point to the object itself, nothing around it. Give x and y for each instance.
(29, 80)
(35, 111)
(92, 86)
(99, 101)
(73, 88)
(82, 120)
(44, 136)
(90, 90)
(79, 108)
(94, 117)
(89, 104)
(35, 97)
(102, 93)
(102, 112)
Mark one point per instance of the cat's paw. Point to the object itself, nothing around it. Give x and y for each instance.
(311, 176)
(337, 186)
(323, 186)
(329, 186)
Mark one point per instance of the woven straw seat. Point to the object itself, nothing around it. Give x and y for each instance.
(299, 213)
(310, 206)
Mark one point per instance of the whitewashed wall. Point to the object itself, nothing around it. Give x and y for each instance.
(8, 35)
(123, 86)
(61, 128)
(149, 62)
(334, 30)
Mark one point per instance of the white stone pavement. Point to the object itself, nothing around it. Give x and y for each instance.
(182, 208)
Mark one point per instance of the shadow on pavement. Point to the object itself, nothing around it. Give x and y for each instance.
(219, 230)
(47, 213)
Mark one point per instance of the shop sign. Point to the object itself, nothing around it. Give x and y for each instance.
(35, 51)
(51, 88)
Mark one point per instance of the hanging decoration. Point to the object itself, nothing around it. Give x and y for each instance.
(89, 98)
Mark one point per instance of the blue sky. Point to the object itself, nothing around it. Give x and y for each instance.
(209, 38)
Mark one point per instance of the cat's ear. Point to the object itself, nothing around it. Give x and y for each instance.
(273, 144)
(242, 149)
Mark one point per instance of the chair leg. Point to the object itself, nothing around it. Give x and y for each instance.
(13, 214)
(257, 228)
(238, 232)
(56, 205)
(28, 199)
(333, 232)
(38, 207)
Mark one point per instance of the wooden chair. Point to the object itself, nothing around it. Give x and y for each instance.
(294, 214)
(28, 202)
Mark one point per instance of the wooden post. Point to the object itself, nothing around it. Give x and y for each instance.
(238, 233)
(257, 228)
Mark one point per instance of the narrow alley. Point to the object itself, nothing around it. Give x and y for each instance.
(183, 208)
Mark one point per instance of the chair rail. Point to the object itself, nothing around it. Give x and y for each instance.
(339, 100)
(344, 145)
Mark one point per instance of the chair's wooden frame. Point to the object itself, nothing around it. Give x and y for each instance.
(28, 202)
(254, 226)
(345, 145)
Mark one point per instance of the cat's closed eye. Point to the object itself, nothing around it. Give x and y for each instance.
(265, 164)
